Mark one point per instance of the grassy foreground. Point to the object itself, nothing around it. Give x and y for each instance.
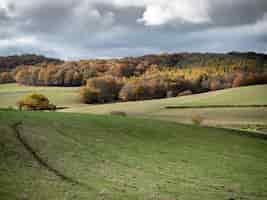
(114, 157)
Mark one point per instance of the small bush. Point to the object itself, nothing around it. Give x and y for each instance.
(185, 93)
(35, 101)
(141, 89)
(10, 108)
(239, 80)
(6, 77)
(107, 87)
(118, 113)
(52, 107)
(197, 119)
(89, 95)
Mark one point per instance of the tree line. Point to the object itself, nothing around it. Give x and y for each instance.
(146, 77)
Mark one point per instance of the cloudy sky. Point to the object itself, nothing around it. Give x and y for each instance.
(77, 29)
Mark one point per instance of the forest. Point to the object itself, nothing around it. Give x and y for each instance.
(139, 78)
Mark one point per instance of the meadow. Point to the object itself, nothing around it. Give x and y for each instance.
(246, 117)
(114, 157)
(85, 152)
(227, 116)
(61, 96)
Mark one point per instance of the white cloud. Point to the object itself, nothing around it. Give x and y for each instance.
(20, 41)
(161, 12)
(86, 14)
(156, 12)
(96, 28)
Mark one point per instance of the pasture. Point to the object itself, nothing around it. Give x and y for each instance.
(113, 157)
(246, 117)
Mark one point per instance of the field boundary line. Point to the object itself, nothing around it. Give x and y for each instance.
(216, 106)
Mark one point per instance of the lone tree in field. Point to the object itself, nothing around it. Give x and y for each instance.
(35, 102)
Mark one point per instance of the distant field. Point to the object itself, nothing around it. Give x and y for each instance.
(226, 117)
(112, 157)
(62, 96)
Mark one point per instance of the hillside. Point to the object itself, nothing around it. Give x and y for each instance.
(146, 77)
(103, 157)
(238, 117)
(226, 117)
(250, 95)
(181, 60)
(189, 65)
(61, 96)
(8, 63)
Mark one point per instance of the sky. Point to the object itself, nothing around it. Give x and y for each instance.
(83, 29)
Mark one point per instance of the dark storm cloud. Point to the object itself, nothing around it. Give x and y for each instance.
(89, 28)
(122, 15)
(237, 12)
(3, 15)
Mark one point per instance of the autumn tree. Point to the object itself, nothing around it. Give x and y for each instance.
(6, 77)
(23, 76)
(239, 80)
(89, 95)
(35, 101)
(143, 89)
(108, 87)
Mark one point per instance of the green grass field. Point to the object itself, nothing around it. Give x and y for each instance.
(113, 157)
(223, 117)
(61, 96)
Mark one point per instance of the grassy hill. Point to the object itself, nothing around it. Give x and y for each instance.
(112, 157)
(251, 95)
(227, 117)
(61, 96)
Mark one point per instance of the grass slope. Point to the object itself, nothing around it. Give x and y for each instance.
(62, 96)
(68, 96)
(226, 117)
(127, 158)
(252, 95)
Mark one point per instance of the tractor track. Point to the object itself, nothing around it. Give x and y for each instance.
(40, 160)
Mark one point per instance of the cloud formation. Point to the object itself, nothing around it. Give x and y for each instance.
(75, 29)
(161, 12)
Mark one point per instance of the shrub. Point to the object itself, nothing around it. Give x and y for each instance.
(35, 102)
(128, 92)
(143, 89)
(72, 78)
(22, 76)
(89, 95)
(10, 108)
(185, 93)
(52, 107)
(239, 80)
(6, 77)
(197, 119)
(108, 87)
(215, 84)
(256, 78)
(119, 113)
(122, 70)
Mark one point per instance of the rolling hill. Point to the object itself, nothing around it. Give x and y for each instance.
(8, 63)
(80, 156)
(237, 117)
